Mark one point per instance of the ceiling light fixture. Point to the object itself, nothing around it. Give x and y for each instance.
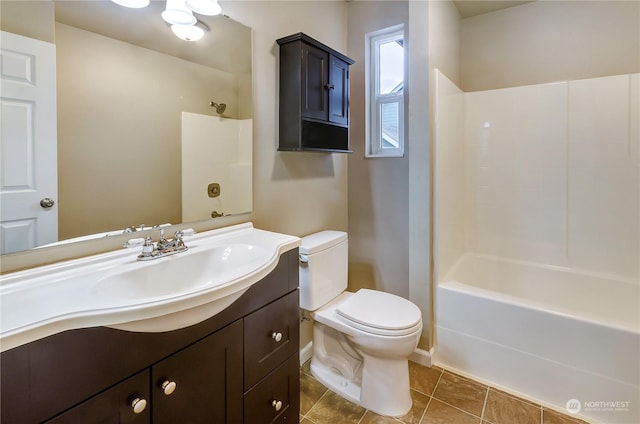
(190, 32)
(136, 4)
(177, 13)
(205, 7)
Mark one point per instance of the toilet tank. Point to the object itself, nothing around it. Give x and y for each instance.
(323, 268)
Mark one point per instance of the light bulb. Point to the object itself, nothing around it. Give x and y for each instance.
(187, 32)
(177, 13)
(205, 7)
(136, 4)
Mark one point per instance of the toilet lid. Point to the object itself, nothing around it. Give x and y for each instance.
(381, 310)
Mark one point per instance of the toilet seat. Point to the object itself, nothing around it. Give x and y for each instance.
(380, 313)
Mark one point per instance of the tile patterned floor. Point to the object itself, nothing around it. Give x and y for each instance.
(439, 397)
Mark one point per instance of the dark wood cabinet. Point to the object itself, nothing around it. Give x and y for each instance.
(275, 399)
(241, 365)
(314, 96)
(207, 377)
(113, 406)
(272, 332)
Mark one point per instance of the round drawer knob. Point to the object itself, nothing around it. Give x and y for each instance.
(277, 336)
(138, 405)
(277, 404)
(168, 387)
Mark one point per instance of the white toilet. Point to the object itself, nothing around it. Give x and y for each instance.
(361, 341)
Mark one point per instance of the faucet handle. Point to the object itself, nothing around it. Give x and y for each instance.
(134, 243)
(187, 232)
(147, 247)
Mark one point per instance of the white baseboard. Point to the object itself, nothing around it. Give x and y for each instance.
(305, 353)
(423, 357)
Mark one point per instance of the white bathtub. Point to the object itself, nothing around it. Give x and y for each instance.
(547, 333)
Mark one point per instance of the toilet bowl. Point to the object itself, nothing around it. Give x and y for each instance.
(361, 340)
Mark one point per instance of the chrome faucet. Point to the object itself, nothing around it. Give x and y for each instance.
(163, 247)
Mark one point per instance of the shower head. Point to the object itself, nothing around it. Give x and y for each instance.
(219, 107)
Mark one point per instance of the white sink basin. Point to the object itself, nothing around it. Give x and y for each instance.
(116, 290)
(183, 273)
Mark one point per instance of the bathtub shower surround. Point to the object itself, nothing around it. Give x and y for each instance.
(541, 332)
(537, 233)
(546, 173)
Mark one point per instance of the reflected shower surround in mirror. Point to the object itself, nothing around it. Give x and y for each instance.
(134, 4)
(179, 13)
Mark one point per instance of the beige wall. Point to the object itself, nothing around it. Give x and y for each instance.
(295, 193)
(444, 40)
(389, 199)
(417, 148)
(548, 41)
(34, 19)
(378, 188)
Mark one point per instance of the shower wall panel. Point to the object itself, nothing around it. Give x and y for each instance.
(449, 174)
(552, 174)
(516, 187)
(603, 191)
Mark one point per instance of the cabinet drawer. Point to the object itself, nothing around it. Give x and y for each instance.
(271, 335)
(276, 399)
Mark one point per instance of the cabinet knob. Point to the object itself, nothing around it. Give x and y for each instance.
(329, 86)
(168, 387)
(277, 336)
(277, 404)
(138, 405)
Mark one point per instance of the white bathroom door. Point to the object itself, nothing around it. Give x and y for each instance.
(28, 154)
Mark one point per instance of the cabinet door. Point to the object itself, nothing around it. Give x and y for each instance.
(113, 406)
(338, 91)
(315, 83)
(276, 399)
(208, 381)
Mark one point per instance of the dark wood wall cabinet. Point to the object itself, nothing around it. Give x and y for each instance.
(239, 366)
(314, 96)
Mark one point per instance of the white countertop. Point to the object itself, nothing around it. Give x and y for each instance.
(89, 292)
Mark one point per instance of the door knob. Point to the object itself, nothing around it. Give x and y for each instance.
(46, 203)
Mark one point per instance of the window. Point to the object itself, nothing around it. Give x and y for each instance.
(385, 76)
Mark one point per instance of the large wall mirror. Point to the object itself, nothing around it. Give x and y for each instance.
(138, 140)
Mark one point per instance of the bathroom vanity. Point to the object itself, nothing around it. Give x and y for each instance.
(240, 365)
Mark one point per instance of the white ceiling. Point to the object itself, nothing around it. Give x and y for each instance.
(469, 8)
(227, 45)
